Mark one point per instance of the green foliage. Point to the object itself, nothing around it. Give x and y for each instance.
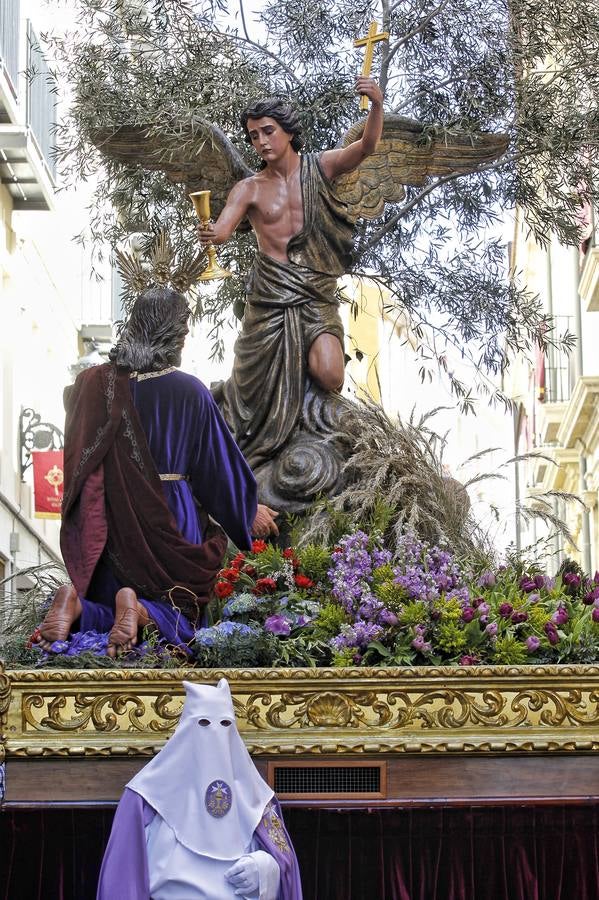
(245, 650)
(329, 620)
(316, 561)
(414, 613)
(470, 65)
(509, 651)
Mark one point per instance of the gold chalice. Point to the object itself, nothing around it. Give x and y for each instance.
(201, 204)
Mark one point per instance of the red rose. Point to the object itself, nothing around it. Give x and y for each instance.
(265, 586)
(302, 581)
(259, 546)
(230, 574)
(222, 589)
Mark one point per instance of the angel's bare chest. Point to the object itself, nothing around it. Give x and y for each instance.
(278, 206)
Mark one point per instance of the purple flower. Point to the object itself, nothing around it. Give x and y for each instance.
(420, 644)
(505, 610)
(532, 643)
(572, 579)
(468, 614)
(278, 624)
(533, 598)
(487, 579)
(519, 616)
(551, 632)
(540, 581)
(590, 597)
(467, 660)
(491, 629)
(596, 614)
(527, 584)
(560, 616)
(386, 617)
(484, 609)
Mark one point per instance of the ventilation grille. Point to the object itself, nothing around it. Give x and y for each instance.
(325, 780)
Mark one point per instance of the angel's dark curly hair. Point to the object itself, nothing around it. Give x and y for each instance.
(153, 336)
(281, 111)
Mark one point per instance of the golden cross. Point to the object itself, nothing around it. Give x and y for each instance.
(368, 43)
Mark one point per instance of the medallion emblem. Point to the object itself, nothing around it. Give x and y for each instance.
(218, 799)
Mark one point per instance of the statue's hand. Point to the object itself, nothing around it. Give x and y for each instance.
(370, 88)
(264, 523)
(206, 234)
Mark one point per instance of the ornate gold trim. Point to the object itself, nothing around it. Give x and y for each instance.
(4, 704)
(108, 713)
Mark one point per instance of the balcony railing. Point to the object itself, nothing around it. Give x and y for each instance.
(559, 366)
(41, 101)
(9, 40)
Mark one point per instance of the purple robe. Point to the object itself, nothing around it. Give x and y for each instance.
(186, 436)
(124, 873)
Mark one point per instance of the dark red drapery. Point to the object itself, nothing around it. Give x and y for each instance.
(513, 853)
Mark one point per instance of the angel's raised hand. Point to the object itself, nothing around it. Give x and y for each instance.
(370, 88)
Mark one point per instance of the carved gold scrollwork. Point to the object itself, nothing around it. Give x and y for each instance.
(449, 708)
(574, 707)
(103, 712)
(4, 702)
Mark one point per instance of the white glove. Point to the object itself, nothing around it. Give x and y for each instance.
(244, 875)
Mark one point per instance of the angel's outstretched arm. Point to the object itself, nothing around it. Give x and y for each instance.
(234, 211)
(338, 162)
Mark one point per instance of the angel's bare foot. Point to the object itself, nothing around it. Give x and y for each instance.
(129, 616)
(64, 610)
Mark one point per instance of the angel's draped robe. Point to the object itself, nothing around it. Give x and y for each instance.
(288, 306)
(164, 424)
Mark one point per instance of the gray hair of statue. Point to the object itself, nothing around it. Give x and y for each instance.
(281, 111)
(152, 338)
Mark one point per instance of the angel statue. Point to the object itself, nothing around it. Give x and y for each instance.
(281, 400)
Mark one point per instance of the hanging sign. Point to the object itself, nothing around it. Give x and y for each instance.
(48, 482)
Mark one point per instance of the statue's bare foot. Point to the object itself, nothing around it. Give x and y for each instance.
(129, 616)
(64, 610)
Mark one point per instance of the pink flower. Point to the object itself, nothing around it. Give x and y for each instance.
(468, 660)
(560, 616)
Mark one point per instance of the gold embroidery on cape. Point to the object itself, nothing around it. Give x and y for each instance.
(274, 827)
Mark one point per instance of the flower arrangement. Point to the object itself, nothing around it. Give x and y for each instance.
(359, 604)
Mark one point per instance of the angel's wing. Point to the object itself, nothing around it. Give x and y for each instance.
(197, 154)
(409, 153)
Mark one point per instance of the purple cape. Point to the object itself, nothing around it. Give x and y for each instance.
(124, 873)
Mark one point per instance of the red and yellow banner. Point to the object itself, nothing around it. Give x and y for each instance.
(48, 482)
